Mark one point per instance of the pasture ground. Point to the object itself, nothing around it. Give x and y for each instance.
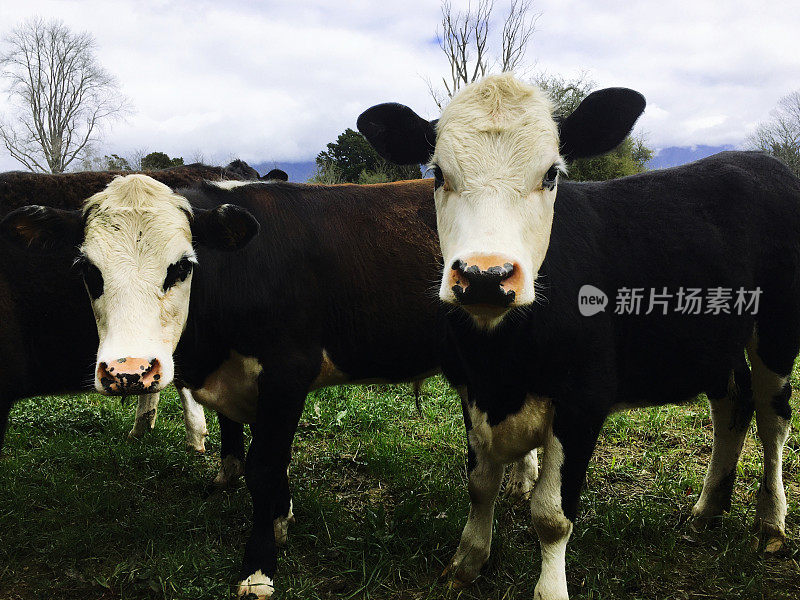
(380, 500)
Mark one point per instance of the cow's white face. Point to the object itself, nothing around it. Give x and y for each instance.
(134, 250)
(496, 153)
(137, 260)
(496, 163)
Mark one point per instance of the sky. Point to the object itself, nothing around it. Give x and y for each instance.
(276, 81)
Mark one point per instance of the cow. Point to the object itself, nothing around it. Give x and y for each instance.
(264, 292)
(43, 309)
(519, 243)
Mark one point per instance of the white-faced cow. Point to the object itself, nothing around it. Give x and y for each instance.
(43, 308)
(519, 244)
(335, 289)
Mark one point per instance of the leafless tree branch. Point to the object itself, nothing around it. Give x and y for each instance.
(464, 38)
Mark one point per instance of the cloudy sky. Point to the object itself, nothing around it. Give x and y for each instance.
(276, 81)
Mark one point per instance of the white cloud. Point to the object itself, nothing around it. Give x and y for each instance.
(278, 81)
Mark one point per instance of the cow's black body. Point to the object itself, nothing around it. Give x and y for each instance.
(731, 221)
(348, 270)
(44, 308)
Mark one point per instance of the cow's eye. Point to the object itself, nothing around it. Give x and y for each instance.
(549, 181)
(92, 276)
(178, 271)
(438, 177)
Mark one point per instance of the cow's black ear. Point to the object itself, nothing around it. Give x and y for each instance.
(600, 123)
(398, 134)
(275, 175)
(42, 228)
(226, 227)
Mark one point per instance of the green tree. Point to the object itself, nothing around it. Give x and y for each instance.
(115, 162)
(158, 160)
(351, 159)
(629, 158)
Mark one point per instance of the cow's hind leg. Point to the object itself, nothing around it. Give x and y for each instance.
(524, 474)
(194, 418)
(731, 414)
(231, 436)
(146, 411)
(771, 393)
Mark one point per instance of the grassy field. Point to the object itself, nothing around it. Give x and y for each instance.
(380, 499)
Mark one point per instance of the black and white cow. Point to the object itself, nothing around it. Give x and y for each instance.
(334, 289)
(43, 308)
(519, 244)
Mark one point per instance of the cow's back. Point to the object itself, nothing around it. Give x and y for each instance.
(727, 222)
(350, 269)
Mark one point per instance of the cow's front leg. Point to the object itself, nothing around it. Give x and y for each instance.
(266, 475)
(231, 436)
(485, 476)
(146, 410)
(194, 418)
(524, 473)
(554, 502)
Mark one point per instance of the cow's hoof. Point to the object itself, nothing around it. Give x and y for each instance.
(231, 470)
(466, 566)
(701, 521)
(768, 537)
(138, 431)
(196, 447)
(281, 527)
(257, 586)
(555, 589)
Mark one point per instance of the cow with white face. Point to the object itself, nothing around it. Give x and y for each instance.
(520, 244)
(496, 154)
(136, 255)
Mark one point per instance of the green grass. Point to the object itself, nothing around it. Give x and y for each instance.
(380, 499)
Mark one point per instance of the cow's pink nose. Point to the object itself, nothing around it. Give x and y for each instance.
(129, 375)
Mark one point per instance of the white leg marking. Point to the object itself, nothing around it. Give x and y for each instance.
(281, 526)
(229, 471)
(728, 440)
(524, 474)
(552, 526)
(195, 420)
(772, 431)
(257, 584)
(476, 539)
(146, 410)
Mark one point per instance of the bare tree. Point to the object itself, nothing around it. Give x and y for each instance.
(60, 92)
(780, 136)
(465, 40)
(135, 158)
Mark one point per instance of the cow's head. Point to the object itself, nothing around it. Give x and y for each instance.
(133, 246)
(496, 154)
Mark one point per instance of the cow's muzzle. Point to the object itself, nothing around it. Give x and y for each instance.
(490, 281)
(129, 376)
